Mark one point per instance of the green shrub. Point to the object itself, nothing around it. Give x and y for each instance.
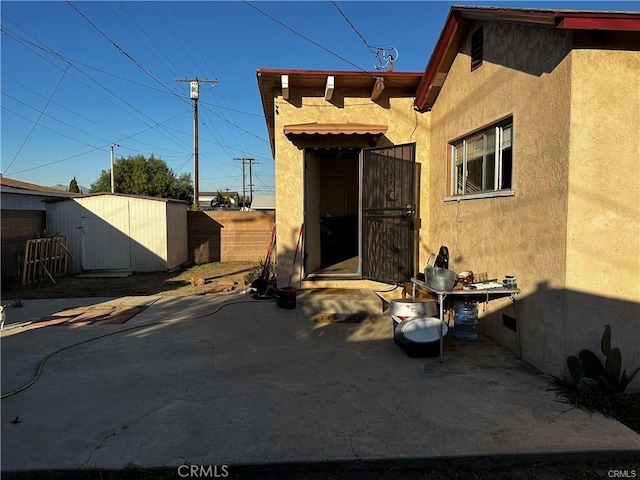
(256, 271)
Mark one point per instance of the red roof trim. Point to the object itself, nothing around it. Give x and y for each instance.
(341, 73)
(442, 46)
(599, 23)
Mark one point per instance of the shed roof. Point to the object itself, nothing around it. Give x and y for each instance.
(142, 197)
(460, 18)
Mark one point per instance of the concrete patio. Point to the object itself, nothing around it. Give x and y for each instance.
(190, 381)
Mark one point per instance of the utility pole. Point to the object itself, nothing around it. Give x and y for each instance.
(194, 87)
(246, 161)
(112, 184)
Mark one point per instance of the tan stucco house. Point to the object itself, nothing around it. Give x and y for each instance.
(518, 148)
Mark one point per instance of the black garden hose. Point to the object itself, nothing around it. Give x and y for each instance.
(55, 352)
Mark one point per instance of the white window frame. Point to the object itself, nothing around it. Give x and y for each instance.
(498, 190)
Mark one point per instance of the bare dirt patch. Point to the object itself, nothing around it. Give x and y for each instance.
(195, 280)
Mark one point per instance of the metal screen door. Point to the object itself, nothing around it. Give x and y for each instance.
(388, 211)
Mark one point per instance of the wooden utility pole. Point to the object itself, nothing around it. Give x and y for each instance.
(245, 161)
(194, 93)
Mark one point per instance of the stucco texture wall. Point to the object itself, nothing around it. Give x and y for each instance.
(525, 74)
(603, 227)
(404, 126)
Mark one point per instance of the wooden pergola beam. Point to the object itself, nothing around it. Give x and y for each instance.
(378, 87)
(330, 87)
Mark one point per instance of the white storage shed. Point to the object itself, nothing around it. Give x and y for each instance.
(121, 233)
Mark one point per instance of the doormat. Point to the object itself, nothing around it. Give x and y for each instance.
(328, 318)
(90, 316)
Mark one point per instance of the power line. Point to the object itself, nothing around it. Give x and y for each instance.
(72, 138)
(303, 36)
(133, 32)
(50, 51)
(176, 69)
(119, 48)
(195, 46)
(83, 117)
(352, 26)
(232, 109)
(377, 51)
(316, 43)
(177, 39)
(38, 120)
(56, 54)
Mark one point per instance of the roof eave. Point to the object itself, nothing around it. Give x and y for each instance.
(442, 46)
(561, 19)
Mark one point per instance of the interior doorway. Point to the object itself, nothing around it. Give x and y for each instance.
(332, 192)
(359, 211)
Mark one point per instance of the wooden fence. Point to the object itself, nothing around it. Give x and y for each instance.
(45, 257)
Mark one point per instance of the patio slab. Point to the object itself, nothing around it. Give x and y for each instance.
(191, 381)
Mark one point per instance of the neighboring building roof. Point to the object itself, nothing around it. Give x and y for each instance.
(270, 85)
(460, 18)
(263, 202)
(9, 185)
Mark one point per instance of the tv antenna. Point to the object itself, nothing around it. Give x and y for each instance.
(385, 58)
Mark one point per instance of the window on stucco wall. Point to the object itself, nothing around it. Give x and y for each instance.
(482, 162)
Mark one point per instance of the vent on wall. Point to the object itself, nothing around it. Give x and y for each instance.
(509, 322)
(477, 43)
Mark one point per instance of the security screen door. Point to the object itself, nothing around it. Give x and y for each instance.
(388, 211)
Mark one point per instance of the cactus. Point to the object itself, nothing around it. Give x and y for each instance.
(605, 343)
(575, 368)
(591, 364)
(589, 374)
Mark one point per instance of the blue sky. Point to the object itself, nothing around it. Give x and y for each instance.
(80, 76)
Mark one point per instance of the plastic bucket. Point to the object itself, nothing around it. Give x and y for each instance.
(286, 297)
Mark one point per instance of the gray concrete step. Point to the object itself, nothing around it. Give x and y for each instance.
(338, 301)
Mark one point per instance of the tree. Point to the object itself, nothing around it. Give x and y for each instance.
(145, 176)
(73, 186)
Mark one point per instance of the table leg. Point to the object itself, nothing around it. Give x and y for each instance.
(441, 301)
(515, 308)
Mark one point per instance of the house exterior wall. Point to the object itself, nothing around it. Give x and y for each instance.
(603, 225)
(20, 201)
(526, 74)
(404, 126)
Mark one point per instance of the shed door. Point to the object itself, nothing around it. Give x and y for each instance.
(388, 211)
(106, 244)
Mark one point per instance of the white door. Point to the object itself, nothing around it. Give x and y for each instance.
(106, 244)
